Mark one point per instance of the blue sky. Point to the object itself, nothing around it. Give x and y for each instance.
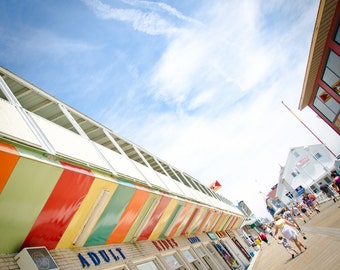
(197, 83)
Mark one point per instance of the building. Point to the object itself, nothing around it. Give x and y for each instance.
(306, 167)
(321, 87)
(74, 194)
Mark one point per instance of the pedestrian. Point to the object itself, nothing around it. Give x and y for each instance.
(303, 209)
(264, 238)
(313, 199)
(287, 230)
(258, 242)
(307, 201)
(296, 213)
(288, 215)
(269, 231)
(326, 190)
(287, 246)
(336, 181)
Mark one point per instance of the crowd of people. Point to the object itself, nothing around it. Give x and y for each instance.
(285, 228)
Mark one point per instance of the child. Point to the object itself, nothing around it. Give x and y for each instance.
(286, 245)
(258, 242)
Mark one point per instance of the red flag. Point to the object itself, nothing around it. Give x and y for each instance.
(325, 96)
(215, 186)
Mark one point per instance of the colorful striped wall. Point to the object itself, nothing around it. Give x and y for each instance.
(46, 202)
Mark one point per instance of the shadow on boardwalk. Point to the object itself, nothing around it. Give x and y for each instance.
(323, 245)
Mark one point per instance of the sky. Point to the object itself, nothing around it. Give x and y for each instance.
(197, 83)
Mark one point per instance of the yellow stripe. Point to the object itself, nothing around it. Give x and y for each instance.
(180, 228)
(196, 221)
(164, 219)
(139, 220)
(79, 218)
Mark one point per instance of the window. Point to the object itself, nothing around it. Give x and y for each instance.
(149, 265)
(337, 35)
(326, 105)
(317, 155)
(331, 75)
(173, 262)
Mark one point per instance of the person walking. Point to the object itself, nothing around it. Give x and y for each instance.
(288, 215)
(336, 181)
(296, 213)
(258, 242)
(313, 199)
(287, 230)
(269, 231)
(307, 201)
(284, 242)
(326, 190)
(264, 238)
(303, 209)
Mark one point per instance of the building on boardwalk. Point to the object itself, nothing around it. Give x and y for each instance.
(321, 88)
(74, 195)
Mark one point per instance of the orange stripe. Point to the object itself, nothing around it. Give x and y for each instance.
(180, 220)
(8, 159)
(218, 223)
(203, 222)
(128, 217)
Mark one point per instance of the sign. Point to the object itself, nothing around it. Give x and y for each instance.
(300, 190)
(106, 255)
(212, 236)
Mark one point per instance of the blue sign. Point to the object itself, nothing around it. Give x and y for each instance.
(300, 190)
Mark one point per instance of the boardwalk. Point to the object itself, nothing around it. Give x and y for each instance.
(323, 245)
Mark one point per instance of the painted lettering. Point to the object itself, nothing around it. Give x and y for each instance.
(121, 253)
(94, 258)
(104, 255)
(113, 255)
(156, 245)
(83, 261)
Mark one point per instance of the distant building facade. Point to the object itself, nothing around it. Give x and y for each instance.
(306, 167)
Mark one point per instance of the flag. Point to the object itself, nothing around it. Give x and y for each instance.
(324, 96)
(215, 186)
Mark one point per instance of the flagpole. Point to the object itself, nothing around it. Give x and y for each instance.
(308, 129)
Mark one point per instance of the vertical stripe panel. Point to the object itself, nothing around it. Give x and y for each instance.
(180, 219)
(154, 218)
(111, 215)
(8, 159)
(133, 231)
(189, 221)
(19, 203)
(164, 219)
(60, 207)
(185, 220)
(172, 220)
(82, 215)
(129, 217)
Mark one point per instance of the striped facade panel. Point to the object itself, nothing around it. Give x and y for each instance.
(9, 157)
(180, 219)
(164, 219)
(191, 218)
(62, 204)
(112, 214)
(129, 216)
(185, 220)
(172, 220)
(197, 220)
(88, 213)
(144, 215)
(20, 204)
(204, 222)
(148, 229)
